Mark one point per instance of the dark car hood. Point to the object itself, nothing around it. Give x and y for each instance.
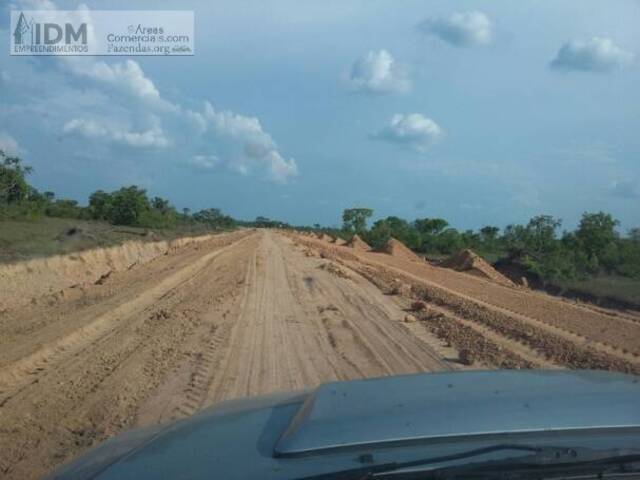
(305, 433)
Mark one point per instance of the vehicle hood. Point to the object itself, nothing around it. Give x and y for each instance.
(335, 426)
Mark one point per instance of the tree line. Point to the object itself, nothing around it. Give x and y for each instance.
(540, 247)
(128, 206)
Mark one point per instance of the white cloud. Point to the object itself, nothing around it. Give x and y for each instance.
(280, 170)
(121, 99)
(129, 75)
(462, 29)
(598, 54)
(204, 162)
(197, 121)
(257, 146)
(378, 73)
(8, 144)
(154, 137)
(241, 127)
(413, 130)
(626, 189)
(125, 77)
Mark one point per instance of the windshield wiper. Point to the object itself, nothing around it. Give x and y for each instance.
(541, 459)
(548, 461)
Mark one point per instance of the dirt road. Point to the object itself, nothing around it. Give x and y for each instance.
(254, 312)
(502, 326)
(243, 315)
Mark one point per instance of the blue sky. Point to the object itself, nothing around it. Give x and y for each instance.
(478, 112)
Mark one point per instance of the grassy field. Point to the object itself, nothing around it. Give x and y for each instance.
(24, 239)
(618, 288)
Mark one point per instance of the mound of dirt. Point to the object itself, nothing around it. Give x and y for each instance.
(338, 241)
(470, 262)
(326, 238)
(398, 249)
(334, 269)
(357, 243)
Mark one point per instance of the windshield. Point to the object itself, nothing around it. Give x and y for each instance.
(206, 201)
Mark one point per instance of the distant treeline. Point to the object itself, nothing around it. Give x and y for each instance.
(130, 206)
(539, 247)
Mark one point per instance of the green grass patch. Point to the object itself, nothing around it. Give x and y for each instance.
(607, 287)
(25, 239)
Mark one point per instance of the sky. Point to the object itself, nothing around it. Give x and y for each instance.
(483, 113)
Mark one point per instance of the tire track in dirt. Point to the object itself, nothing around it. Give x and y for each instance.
(200, 378)
(613, 331)
(97, 391)
(22, 371)
(181, 333)
(549, 341)
(498, 350)
(301, 325)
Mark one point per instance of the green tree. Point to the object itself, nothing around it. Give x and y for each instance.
(534, 240)
(489, 237)
(597, 237)
(403, 231)
(63, 208)
(448, 241)
(489, 233)
(100, 203)
(354, 220)
(208, 215)
(161, 205)
(431, 226)
(128, 206)
(537, 248)
(379, 234)
(628, 263)
(541, 234)
(13, 184)
(428, 230)
(470, 239)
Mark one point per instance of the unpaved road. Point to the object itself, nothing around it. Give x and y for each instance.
(243, 315)
(260, 311)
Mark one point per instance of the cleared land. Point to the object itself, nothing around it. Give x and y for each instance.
(256, 312)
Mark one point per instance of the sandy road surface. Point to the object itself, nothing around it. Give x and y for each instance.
(245, 314)
(502, 326)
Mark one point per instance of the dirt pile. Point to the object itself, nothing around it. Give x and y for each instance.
(398, 249)
(357, 243)
(326, 238)
(338, 241)
(470, 262)
(334, 269)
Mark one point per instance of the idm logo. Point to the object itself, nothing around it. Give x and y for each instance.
(48, 33)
